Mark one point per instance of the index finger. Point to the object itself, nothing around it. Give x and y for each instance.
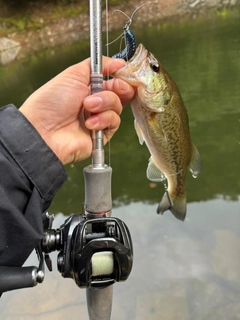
(82, 70)
(111, 65)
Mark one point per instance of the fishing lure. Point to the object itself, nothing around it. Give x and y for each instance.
(130, 40)
(131, 45)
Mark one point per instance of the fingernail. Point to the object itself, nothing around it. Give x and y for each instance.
(94, 101)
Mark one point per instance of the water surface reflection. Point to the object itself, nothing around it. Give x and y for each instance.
(182, 271)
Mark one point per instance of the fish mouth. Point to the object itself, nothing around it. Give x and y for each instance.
(139, 55)
(127, 73)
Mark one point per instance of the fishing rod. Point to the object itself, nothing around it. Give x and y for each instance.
(98, 201)
(97, 177)
(95, 249)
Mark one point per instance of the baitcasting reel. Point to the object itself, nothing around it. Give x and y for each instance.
(94, 252)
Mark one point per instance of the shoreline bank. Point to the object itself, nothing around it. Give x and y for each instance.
(64, 30)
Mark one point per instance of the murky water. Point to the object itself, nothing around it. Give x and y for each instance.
(182, 271)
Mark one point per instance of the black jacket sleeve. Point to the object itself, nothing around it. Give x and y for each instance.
(30, 176)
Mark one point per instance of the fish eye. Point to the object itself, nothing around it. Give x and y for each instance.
(155, 67)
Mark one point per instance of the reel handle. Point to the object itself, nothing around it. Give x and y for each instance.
(12, 278)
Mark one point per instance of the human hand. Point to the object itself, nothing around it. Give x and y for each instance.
(64, 114)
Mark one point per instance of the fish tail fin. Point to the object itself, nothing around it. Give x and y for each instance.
(177, 205)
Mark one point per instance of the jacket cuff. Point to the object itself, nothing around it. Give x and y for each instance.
(31, 153)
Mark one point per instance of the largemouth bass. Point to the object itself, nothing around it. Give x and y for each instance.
(161, 121)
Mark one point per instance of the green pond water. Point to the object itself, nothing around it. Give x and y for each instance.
(182, 270)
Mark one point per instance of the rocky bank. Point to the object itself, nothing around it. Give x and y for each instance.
(66, 30)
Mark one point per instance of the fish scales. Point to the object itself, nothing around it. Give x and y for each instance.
(172, 152)
(170, 146)
(161, 121)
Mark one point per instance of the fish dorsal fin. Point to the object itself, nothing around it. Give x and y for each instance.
(153, 172)
(195, 164)
(139, 132)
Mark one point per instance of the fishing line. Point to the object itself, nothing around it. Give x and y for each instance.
(126, 27)
(123, 35)
(108, 77)
(129, 21)
(107, 29)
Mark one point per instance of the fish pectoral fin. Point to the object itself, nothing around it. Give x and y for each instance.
(139, 132)
(195, 163)
(156, 127)
(153, 172)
